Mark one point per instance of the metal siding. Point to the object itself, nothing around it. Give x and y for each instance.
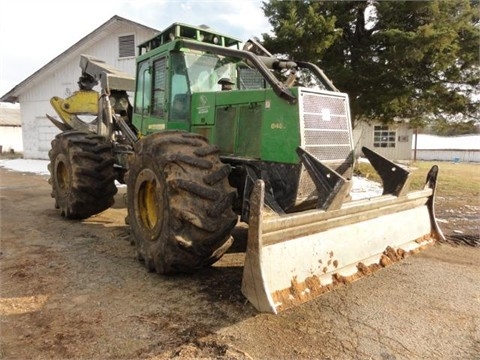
(449, 155)
(11, 138)
(10, 116)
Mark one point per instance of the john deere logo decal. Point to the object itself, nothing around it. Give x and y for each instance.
(203, 107)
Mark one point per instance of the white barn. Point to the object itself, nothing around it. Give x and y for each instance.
(115, 42)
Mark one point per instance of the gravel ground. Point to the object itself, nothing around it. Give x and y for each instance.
(73, 289)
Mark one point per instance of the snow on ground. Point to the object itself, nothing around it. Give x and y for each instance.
(362, 188)
(39, 167)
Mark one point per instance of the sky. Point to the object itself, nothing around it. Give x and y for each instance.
(33, 32)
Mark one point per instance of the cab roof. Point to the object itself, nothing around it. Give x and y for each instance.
(200, 33)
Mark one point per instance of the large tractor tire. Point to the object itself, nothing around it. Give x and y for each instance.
(81, 174)
(179, 202)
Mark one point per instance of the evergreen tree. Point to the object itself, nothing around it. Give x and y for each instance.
(396, 59)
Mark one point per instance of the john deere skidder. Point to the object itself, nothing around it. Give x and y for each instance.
(275, 151)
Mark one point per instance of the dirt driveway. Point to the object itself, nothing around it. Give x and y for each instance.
(73, 289)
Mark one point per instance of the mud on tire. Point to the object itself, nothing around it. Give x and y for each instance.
(81, 174)
(179, 202)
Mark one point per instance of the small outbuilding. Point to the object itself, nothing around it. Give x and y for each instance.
(114, 42)
(393, 141)
(10, 128)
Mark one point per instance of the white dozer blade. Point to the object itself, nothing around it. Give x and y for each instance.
(291, 259)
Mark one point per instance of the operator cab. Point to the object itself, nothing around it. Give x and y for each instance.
(169, 73)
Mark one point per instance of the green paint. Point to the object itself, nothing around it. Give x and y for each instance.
(247, 123)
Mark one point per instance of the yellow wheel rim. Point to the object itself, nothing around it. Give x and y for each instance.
(148, 206)
(63, 178)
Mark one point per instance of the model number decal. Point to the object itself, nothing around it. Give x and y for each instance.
(277, 126)
(156, 127)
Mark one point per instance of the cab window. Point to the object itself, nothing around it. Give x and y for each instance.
(179, 94)
(144, 89)
(159, 83)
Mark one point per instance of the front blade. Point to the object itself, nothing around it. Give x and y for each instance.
(292, 259)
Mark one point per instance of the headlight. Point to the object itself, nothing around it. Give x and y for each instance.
(123, 103)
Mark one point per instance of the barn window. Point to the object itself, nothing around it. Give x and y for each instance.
(126, 46)
(384, 137)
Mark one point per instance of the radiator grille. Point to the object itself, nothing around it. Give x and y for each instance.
(326, 125)
(326, 133)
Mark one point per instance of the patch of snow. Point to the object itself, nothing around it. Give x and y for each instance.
(362, 188)
(39, 167)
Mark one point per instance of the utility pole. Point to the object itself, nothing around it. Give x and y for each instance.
(415, 146)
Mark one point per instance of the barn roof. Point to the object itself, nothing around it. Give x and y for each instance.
(111, 25)
(10, 116)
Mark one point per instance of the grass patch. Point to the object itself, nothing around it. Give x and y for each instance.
(454, 179)
(367, 171)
